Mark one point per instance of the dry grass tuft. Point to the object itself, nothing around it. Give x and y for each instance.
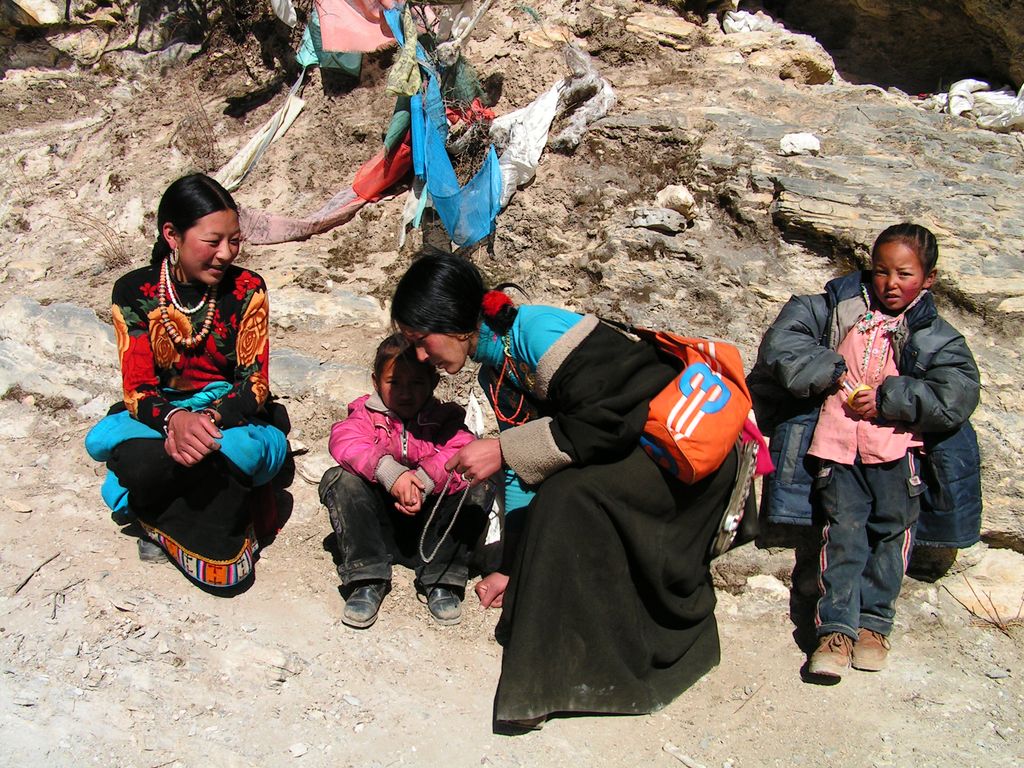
(113, 245)
(194, 135)
(989, 617)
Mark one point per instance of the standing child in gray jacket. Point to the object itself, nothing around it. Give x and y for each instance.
(878, 372)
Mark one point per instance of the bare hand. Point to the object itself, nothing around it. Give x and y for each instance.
(491, 590)
(477, 461)
(408, 493)
(865, 403)
(191, 437)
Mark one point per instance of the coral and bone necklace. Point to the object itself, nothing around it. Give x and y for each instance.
(209, 300)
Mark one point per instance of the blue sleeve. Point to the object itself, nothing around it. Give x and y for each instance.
(537, 328)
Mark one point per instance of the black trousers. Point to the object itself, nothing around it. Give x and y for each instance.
(372, 535)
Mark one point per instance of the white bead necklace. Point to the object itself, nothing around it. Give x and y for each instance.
(173, 295)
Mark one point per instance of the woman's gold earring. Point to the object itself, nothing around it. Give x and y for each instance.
(175, 257)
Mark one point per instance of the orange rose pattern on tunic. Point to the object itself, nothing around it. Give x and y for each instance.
(120, 333)
(165, 354)
(260, 387)
(236, 350)
(252, 332)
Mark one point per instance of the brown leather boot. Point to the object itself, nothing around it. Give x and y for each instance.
(832, 657)
(871, 650)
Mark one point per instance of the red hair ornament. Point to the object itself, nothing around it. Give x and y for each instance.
(493, 303)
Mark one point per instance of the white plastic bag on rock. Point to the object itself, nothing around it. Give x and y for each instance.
(1010, 114)
(527, 131)
(961, 96)
(744, 21)
(996, 110)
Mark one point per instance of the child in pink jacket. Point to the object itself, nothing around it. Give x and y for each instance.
(391, 452)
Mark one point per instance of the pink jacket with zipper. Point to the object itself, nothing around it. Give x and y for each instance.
(377, 445)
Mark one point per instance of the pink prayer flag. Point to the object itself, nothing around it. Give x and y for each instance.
(349, 26)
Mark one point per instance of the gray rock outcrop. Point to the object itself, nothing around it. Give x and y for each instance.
(913, 45)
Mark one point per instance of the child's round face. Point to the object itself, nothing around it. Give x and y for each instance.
(405, 387)
(898, 276)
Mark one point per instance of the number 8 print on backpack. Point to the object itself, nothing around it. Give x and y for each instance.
(695, 421)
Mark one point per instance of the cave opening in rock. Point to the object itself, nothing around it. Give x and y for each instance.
(918, 47)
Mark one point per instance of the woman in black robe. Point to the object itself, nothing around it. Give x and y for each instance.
(606, 594)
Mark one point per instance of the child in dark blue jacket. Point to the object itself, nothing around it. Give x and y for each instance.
(858, 385)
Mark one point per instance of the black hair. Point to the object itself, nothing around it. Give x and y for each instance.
(439, 293)
(919, 239)
(185, 202)
(396, 348)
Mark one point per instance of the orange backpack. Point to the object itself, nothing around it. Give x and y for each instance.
(695, 421)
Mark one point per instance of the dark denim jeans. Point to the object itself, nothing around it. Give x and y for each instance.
(869, 513)
(372, 535)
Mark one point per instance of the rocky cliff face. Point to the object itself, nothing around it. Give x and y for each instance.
(917, 47)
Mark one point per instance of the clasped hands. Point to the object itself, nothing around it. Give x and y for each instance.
(474, 462)
(191, 437)
(408, 493)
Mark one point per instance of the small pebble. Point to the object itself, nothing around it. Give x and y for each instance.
(298, 750)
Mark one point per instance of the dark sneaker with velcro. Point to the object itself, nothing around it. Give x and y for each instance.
(363, 605)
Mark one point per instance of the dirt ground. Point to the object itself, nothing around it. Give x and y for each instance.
(112, 662)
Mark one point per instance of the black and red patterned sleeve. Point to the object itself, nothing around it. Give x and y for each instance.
(251, 353)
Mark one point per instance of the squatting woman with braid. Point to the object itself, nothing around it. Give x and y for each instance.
(192, 445)
(606, 595)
